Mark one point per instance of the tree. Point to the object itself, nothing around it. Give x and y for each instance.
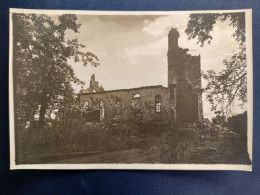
(229, 85)
(238, 124)
(42, 75)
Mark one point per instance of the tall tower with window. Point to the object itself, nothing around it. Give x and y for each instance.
(173, 51)
(184, 81)
(173, 60)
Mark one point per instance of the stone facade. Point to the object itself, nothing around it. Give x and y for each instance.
(180, 101)
(135, 103)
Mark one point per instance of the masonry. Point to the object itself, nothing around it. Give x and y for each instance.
(180, 101)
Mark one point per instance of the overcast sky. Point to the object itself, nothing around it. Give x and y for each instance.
(133, 49)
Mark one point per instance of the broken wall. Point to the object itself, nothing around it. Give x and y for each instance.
(124, 104)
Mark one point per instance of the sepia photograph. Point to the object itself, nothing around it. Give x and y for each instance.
(131, 89)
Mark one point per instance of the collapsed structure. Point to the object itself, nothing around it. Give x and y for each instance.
(180, 101)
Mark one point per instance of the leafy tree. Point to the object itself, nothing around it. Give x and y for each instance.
(42, 75)
(229, 85)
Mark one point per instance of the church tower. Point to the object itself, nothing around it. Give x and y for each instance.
(184, 81)
(173, 50)
(173, 60)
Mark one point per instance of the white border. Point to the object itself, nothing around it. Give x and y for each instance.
(139, 166)
(248, 13)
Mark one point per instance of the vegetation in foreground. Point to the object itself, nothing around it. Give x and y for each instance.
(127, 142)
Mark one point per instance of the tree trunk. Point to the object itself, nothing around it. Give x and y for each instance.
(43, 110)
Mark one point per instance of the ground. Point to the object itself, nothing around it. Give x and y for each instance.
(201, 143)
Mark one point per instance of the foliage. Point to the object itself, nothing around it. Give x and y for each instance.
(219, 119)
(200, 26)
(238, 123)
(229, 85)
(61, 139)
(42, 75)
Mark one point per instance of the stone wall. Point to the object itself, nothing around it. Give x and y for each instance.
(188, 79)
(127, 103)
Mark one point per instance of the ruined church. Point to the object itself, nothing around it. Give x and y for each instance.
(180, 101)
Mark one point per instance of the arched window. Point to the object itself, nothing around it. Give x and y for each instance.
(86, 104)
(158, 103)
(102, 110)
(118, 106)
(136, 101)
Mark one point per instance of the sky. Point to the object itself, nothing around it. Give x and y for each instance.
(132, 49)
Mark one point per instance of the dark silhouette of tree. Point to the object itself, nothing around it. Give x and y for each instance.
(42, 75)
(238, 124)
(229, 85)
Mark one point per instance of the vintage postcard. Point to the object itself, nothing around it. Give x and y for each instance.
(131, 90)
